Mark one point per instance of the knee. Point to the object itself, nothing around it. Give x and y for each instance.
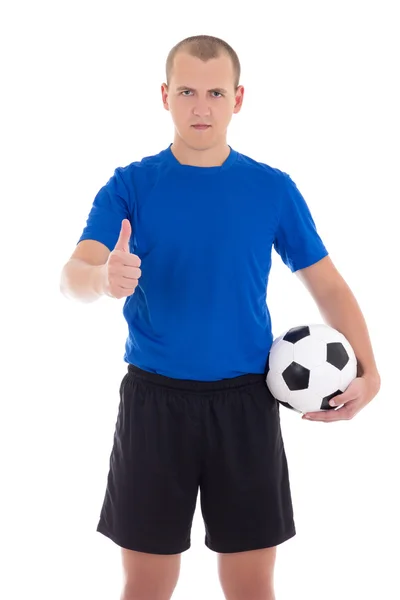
(132, 594)
(267, 595)
(135, 593)
(251, 595)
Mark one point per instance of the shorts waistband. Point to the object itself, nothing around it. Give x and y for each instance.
(195, 385)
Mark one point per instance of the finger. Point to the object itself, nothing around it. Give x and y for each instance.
(328, 416)
(340, 399)
(124, 236)
(128, 283)
(129, 272)
(126, 258)
(128, 287)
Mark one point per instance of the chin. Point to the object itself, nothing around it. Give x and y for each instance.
(193, 140)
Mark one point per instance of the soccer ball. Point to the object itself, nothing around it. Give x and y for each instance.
(309, 365)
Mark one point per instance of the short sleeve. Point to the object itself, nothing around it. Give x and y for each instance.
(297, 240)
(110, 207)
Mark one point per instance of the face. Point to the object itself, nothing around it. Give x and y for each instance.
(202, 93)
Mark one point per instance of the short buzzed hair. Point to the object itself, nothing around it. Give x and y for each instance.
(204, 47)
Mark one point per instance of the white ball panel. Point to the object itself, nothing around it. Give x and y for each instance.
(281, 356)
(324, 380)
(309, 352)
(325, 333)
(320, 331)
(277, 386)
(304, 400)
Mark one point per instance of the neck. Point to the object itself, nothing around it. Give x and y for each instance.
(213, 156)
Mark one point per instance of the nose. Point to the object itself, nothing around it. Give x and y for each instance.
(201, 108)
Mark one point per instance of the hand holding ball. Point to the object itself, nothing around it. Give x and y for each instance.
(309, 365)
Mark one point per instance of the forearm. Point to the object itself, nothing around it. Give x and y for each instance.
(82, 281)
(341, 311)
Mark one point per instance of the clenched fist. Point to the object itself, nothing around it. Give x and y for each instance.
(121, 271)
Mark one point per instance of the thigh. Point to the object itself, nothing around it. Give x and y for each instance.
(153, 477)
(245, 492)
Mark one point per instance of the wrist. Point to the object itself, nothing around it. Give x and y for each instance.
(99, 279)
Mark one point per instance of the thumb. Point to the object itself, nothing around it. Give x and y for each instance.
(124, 236)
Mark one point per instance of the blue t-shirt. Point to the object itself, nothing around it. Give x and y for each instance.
(204, 236)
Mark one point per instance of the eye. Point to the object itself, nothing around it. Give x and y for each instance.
(190, 91)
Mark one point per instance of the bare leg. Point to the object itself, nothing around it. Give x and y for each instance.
(149, 576)
(248, 575)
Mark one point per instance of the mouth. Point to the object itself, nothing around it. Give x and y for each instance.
(201, 127)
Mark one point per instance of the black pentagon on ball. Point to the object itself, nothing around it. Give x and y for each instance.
(296, 377)
(296, 334)
(336, 355)
(325, 401)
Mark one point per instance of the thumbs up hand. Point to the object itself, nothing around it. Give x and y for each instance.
(121, 271)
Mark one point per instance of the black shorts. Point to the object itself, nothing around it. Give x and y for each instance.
(174, 436)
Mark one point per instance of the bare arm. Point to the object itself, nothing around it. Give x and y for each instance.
(82, 281)
(83, 276)
(340, 310)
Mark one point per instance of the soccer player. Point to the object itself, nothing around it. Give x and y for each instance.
(185, 237)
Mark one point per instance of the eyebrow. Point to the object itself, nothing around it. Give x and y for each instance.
(181, 88)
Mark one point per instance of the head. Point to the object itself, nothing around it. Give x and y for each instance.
(202, 87)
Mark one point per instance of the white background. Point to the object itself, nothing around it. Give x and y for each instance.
(80, 96)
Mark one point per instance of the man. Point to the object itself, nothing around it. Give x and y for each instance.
(186, 237)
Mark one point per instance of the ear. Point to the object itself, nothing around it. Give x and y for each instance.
(164, 95)
(239, 94)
